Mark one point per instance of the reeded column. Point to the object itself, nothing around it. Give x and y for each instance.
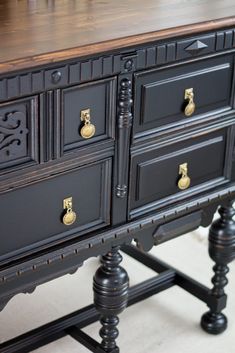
(111, 285)
(222, 251)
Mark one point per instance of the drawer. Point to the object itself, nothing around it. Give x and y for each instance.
(161, 97)
(88, 113)
(18, 133)
(32, 216)
(161, 175)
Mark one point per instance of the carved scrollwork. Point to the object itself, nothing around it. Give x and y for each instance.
(13, 133)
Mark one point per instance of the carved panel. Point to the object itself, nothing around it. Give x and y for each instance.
(13, 135)
(17, 132)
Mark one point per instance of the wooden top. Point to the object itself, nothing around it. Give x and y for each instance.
(35, 32)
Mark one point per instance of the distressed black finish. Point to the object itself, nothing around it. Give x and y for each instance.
(155, 169)
(123, 180)
(160, 93)
(43, 202)
(110, 297)
(222, 251)
(124, 124)
(73, 323)
(99, 97)
(18, 133)
(99, 66)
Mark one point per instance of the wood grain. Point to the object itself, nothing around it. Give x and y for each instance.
(40, 32)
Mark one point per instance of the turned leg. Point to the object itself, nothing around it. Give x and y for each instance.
(111, 284)
(222, 251)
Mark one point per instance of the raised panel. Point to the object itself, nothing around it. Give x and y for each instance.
(160, 94)
(99, 97)
(36, 211)
(155, 173)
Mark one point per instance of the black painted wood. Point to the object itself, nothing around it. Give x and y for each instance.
(124, 120)
(19, 134)
(84, 69)
(160, 101)
(110, 287)
(123, 180)
(42, 203)
(155, 169)
(17, 277)
(124, 124)
(222, 251)
(72, 324)
(99, 97)
(177, 227)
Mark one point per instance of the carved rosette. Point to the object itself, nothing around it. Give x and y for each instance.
(13, 131)
(124, 126)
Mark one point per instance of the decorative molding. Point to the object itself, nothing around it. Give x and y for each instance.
(196, 47)
(83, 70)
(72, 73)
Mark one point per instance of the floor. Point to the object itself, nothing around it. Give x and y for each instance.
(165, 323)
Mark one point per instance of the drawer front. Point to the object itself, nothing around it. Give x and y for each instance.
(94, 100)
(160, 94)
(33, 216)
(18, 132)
(158, 178)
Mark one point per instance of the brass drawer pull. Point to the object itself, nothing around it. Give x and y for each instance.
(184, 181)
(88, 129)
(69, 216)
(190, 107)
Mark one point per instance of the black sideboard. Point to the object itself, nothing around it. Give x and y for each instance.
(109, 138)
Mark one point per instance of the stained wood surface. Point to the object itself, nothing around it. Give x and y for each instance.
(38, 32)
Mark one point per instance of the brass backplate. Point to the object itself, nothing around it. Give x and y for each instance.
(85, 114)
(184, 181)
(68, 203)
(183, 168)
(188, 93)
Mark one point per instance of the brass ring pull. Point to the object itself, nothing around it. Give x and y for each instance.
(88, 129)
(69, 216)
(190, 107)
(184, 181)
